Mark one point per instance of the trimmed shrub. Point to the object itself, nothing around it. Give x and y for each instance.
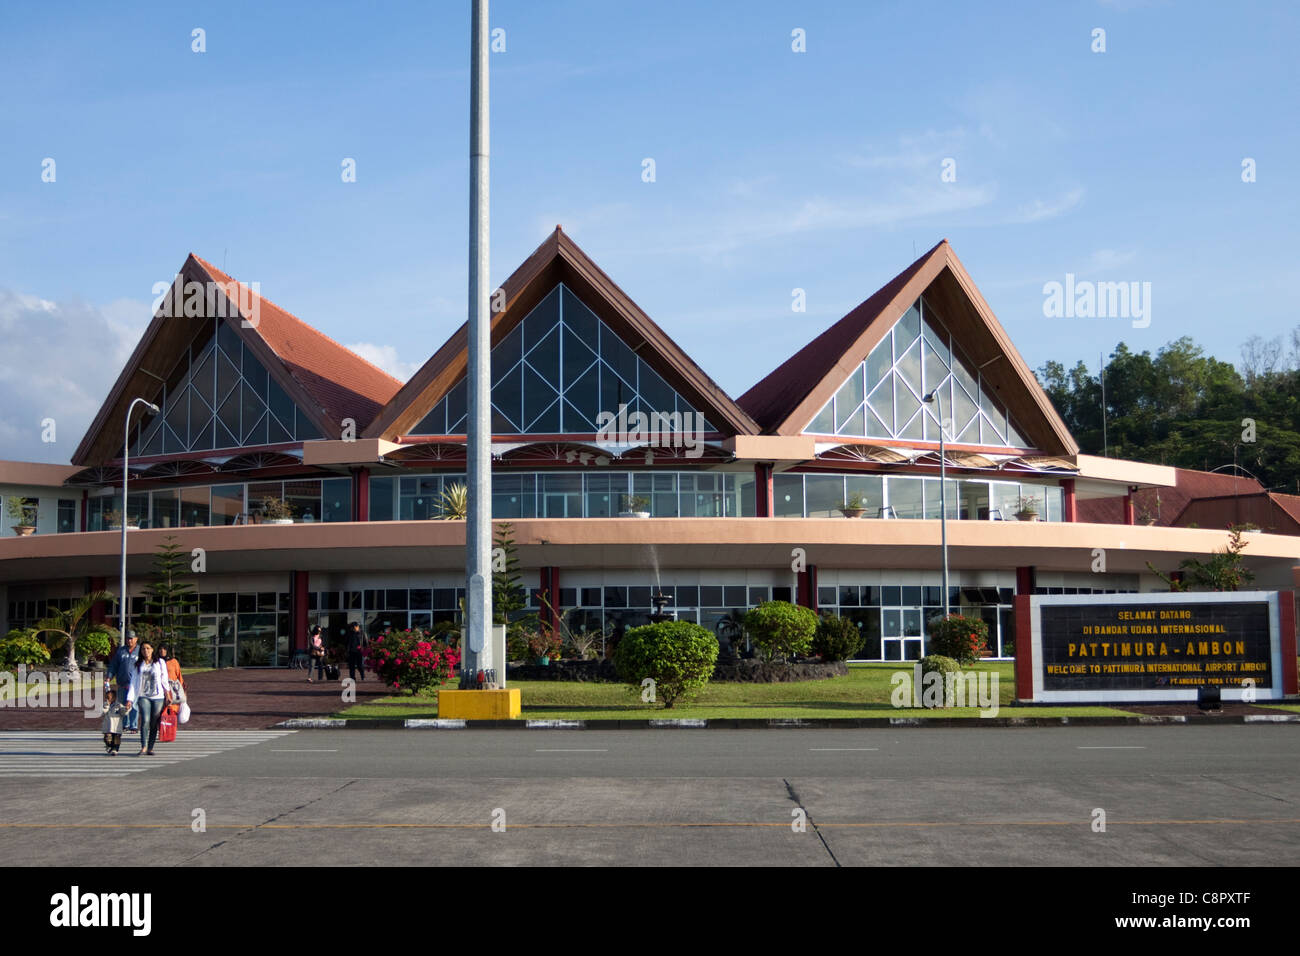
(943, 666)
(964, 639)
(95, 644)
(837, 638)
(677, 655)
(20, 647)
(781, 629)
(410, 660)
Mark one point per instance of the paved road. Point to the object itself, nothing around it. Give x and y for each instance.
(1172, 796)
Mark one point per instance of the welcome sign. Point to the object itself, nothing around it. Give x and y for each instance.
(1137, 647)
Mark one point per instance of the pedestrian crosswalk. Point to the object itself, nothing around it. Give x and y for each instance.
(74, 753)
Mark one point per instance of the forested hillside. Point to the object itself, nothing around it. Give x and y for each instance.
(1183, 408)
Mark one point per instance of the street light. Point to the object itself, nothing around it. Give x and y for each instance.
(931, 399)
(126, 448)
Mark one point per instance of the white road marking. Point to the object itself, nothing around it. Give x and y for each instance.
(572, 750)
(274, 751)
(835, 749)
(63, 753)
(1110, 748)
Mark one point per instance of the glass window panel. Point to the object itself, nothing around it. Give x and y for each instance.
(964, 371)
(304, 498)
(507, 353)
(935, 337)
(336, 499)
(166, 506)
(203, 378)
(734, 596)
(381, 499)
(824, 423)
(1006, 497)
(507, 397)
(603, 500)
(573, 420)
(688, 596)
(561, 496)
(257, 433)
(1014, 437)
(195, 504)
(456, 408)
(869, 489)
(228, 417)
(882, 403)
(548, 422)
(824, 495)
(892, 622)
(275, 432)
(995, 415)
(908, 328)
(200, 415)
(654, 391)
(618, 356)
(909, 367)
(906, 497)
(855, 424)
(227, 503)
(616, 597)
(875, 427)
(542, 320)
(878, 362)
(935, 368)
(788, 492)
(914, 428)
(933, 494)
(545, 358)
(579, 318)
(974, 499)
(577, 359)
(227, 378)
(710, 596)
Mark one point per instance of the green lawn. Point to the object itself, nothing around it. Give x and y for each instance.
(865, 692)
(1293, 708)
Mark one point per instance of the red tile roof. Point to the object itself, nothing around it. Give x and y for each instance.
(340, 382)
(775, 397)
(1167, 504)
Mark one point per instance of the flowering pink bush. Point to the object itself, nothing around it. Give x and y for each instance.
(411, 658)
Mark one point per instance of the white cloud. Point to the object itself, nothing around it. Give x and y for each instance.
(1039, 210)
(1105, 259)
(385, 356)
(59, 361)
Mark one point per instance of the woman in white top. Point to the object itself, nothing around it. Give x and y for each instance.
(150, 692)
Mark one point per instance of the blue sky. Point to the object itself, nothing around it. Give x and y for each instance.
(775, 170)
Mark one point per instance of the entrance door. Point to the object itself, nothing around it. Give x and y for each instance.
(217, 634)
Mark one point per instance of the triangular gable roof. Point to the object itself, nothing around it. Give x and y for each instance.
(327, 381)
(786, 400)
(559, 259)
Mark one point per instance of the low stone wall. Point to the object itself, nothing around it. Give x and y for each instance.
(741, 672)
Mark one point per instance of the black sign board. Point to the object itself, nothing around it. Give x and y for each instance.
(1156, 646)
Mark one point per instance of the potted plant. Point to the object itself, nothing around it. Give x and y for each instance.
(23, 513)
(635, 506)
(113, 519)
(276, 511)
(543, 645)
(1027, 509)
(855, 507)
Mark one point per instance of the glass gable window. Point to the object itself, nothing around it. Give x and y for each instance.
(883, 396)
(557, 371)
(219, 396)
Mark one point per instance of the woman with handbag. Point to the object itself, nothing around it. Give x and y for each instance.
(316, 648)
(150, 692)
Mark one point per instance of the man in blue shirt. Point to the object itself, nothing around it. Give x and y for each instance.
(119, 671)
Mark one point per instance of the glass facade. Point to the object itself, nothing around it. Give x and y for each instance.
(557, 371)
(905, 496)
(883, 398)
(219, 396)
(197, 506)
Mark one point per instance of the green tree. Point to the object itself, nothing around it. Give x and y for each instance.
(172, 603)
(678, 656)
(60, 628)
(781, 629)
(1223, 571)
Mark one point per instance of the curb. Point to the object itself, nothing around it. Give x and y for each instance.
(759, 723)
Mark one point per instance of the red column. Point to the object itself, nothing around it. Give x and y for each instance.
(1024, 647)
(1129, 517)
(98, 613)
(1071, 508)
(763, 491)
(807, 588)
(1025, 580)
(549, 584)
(1286, 605)
(298, 585)
(360, 494)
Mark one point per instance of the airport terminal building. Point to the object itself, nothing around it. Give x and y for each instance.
(622, 468)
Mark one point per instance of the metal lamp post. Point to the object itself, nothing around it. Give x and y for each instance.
(126, 447)
(931, 399)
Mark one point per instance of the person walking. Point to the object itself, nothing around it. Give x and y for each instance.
(120, 668)
(174, 679)
(110, 724)
(356, 649)
(149, 692)
(316, 653)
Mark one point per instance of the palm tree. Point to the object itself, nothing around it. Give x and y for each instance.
(74, 624)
